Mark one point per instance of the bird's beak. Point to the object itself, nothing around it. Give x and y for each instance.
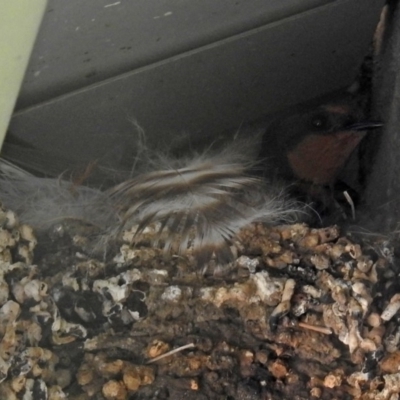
(364, 126)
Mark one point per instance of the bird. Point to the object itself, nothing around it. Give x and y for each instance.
(312, 146)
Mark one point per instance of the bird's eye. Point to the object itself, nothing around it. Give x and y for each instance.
(319, 122)
(350, 120)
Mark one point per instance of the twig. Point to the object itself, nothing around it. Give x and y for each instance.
(316, 328)
(169, 353)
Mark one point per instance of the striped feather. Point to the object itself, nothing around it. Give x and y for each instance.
(200, 206)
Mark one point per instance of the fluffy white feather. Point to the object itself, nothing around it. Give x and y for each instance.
(42, 202)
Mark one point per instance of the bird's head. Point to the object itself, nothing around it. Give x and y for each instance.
(314, 144)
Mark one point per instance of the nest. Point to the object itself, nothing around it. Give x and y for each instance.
(300, 313)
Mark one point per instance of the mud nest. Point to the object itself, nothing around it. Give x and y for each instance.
(301, 313)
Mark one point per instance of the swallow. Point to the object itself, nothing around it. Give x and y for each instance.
(311, 147)
(314, 145)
